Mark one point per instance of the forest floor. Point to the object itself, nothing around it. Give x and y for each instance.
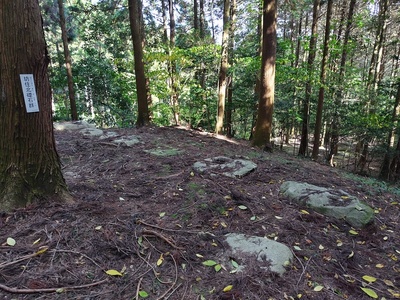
(137, 228)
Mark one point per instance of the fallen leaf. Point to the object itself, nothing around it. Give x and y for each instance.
(379, 266)
(388, 283)
(297, 248)
(353, 232)
(217, 267)
(113, 273)
(227, 288)
(143, 294)
(37, 241)
(199, 255)
(318, 288)
(160, 260)
(370, 293)
(242, 207)
(369, 278)
(234, 264)
(11, 241)
(209, 263)
(42, 250)
(395, 294)
(304, 212)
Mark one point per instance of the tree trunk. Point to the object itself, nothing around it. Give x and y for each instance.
(318, 122)
(68, 62)
(334, 138)
(263, 128)
(143, 117)
(390, 159)
(229, 108)
(172, 64)
(223, 70)
(29, 165)
(303, 149)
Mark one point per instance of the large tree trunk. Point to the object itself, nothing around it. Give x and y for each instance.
(303, 149)
(29, 165)
(143, 117)
(263, 128)
(223, 70)
(318, 122)
(68, 62)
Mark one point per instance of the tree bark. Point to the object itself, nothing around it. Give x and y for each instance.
(223, 70)
(263, 128)
(229, 108)
(30, 169)
(318, 122)
(143, 117)
(303, 149)
(68, 62)
(334, 138)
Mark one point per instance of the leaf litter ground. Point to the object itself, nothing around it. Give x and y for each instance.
(143, 225)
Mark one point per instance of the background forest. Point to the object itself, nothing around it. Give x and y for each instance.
(343, 56)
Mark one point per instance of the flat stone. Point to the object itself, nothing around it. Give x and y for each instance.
(235, 168)
(164, 152)
(127, 140)
(92, 132)
(72, 125)
(263, 249)
(330, 202)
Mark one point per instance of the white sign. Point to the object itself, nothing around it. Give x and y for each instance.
(28, 88)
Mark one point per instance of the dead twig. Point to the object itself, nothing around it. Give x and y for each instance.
(3, 265)
(49, 290)
(138, 288)
(166, 229)
(152, 232)
(163, 296)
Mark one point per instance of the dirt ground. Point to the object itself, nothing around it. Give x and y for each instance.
(143, 225)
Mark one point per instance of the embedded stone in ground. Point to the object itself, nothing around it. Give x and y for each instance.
(164, 152)
(244, 247)
(330, 202)
(127, 140)
(226, 166)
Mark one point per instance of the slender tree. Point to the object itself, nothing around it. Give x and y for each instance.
(303, 149)
(223, 70)
(229, 129)
(318, 122)
(68, 61)
(263, 128)
(135, 15)
(29, 165)
(374, 78)
(172, 63)
(334, 136)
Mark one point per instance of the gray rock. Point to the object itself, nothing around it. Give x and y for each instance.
(92, 132)
(226, 166)
(276, 254)
(127, 140)
(164, 152)
(72, 125)
(330, 202)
